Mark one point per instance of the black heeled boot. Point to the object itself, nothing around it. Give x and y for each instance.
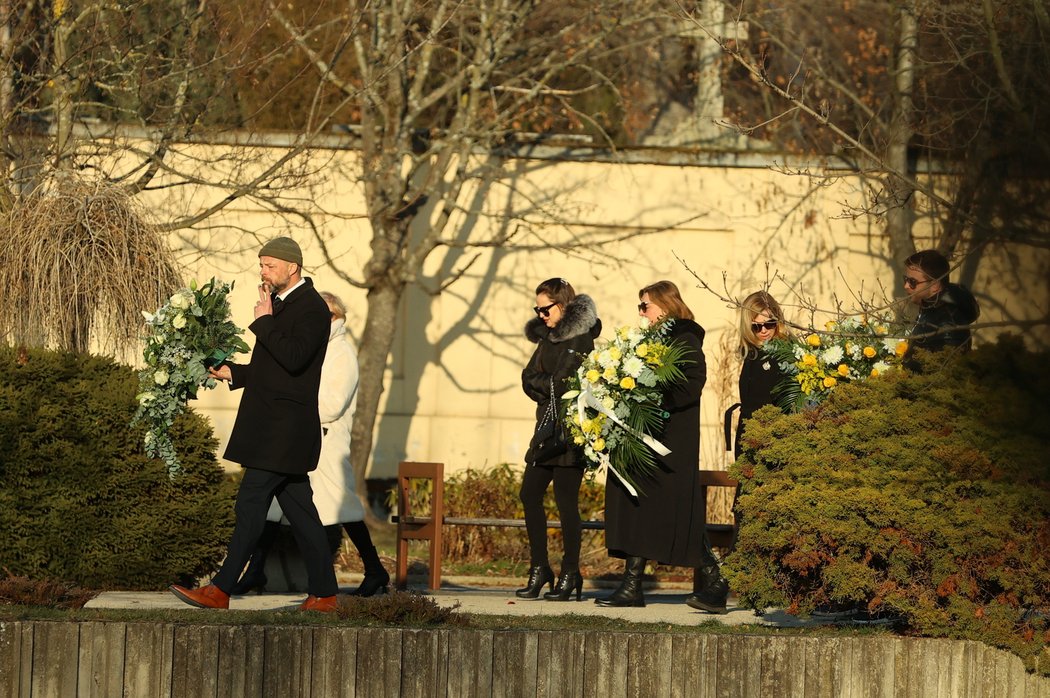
(710, 591)
(629, 592)
(539, 577)
(568, 582)
(377, 579)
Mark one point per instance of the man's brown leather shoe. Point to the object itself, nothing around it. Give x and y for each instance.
(321, 604)
(210, 596)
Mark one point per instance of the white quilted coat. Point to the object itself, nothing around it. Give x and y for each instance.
(333, 480)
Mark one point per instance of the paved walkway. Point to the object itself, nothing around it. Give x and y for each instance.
(662, 605)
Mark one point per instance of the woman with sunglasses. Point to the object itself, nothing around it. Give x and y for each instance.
(761, 320)
(563, 331)
(945, 309)
(666, 521)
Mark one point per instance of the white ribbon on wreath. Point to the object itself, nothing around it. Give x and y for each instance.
(587, 399)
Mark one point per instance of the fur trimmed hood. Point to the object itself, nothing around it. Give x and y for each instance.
(580, 317)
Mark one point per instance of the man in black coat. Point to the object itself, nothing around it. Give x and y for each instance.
(277, 434)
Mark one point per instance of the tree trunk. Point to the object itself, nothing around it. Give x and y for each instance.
(373, 353)
(62, 106)
(900, 215)
(6, 103)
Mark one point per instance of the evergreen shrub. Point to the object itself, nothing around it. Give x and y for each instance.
(922, 495)
(79, 500)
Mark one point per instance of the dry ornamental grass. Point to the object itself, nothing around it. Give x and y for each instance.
(79, 262)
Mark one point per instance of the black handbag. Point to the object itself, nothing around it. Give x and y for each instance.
(549, 441)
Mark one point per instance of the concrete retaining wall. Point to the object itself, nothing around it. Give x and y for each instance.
(41, 659)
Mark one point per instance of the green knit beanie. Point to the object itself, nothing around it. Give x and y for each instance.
(283, 248)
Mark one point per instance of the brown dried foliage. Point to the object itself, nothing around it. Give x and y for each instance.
(23, 591)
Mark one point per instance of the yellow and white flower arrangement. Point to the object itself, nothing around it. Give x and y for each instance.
(187, 334)
(846, 350)
(613, 406)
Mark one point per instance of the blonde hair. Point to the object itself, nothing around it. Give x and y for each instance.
(665, 294)
(754, 305)
(335, 304)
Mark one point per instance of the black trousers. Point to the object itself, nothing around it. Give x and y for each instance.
(293, 492)
(567, 481)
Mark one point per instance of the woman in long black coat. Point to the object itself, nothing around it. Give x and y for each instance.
(761, 320)
(666, 521)
(563, 331)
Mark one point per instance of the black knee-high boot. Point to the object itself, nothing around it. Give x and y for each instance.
(630, 591)
(377, 579)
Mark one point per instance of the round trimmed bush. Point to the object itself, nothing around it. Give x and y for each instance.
(79, 499)
(923, 495)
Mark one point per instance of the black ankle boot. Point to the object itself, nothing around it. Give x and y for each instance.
(539, 577)
(630, 591)
(375, 582)
(710, 591)
(377, 579)
(567, 583)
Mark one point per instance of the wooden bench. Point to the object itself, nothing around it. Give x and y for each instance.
(411, 527)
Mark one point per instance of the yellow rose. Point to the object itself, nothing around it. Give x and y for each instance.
(627, 383)
(610, 373)
(843, 370)
(830, 325)
(809, 360)
(641, 350)
(830, 382)
(902, 348)
(869, 352)
(599, 444)
(874, 373)
(614, 353)
(881, 329)
(579, 440)
(813, 340)
(593, 376)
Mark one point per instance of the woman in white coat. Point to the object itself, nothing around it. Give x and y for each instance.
(333, 480)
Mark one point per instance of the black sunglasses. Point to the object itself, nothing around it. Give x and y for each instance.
(757, 327)
(643, 306)
(912, 283)
(544, 311)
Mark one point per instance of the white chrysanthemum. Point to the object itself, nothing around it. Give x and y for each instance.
(881, 367)
(605, 359)
(890, 345)
(832, 355)
(632, 366)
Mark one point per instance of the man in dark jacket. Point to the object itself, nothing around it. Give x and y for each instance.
(945, 309)
(277, 433)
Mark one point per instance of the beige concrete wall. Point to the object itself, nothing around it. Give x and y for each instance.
(453, 392)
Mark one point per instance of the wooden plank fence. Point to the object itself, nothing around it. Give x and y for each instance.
(40, 659)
